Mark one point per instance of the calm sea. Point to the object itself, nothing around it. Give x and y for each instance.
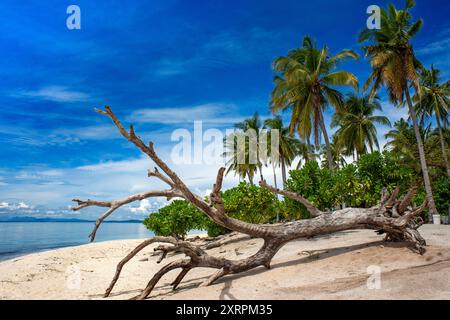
(19, 238)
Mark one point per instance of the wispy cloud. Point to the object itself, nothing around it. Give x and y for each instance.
(100, 132)
(222, 50)
(214, 113)
(434, 47)
(54, 93)
(144, 207)
(13, 206)
(132, 165)
(22, 136)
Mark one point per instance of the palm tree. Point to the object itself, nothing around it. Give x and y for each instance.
(357, 131)
(287, 145)
(233, 149)
(249, 125)
(306, 152)
(306, 84)
(338, 152)
(434, 99)
(394, 66)
(402, 142)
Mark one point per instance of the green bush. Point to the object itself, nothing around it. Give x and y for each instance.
(176, 219)
(250, 203)
(355, 185)
(245, 202)
(441, 193)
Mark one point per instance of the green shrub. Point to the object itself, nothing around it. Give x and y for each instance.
(250, 203)
(245, 202)
(441, 193)
(176, 219)
(355, 185)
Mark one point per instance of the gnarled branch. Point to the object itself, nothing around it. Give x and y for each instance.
(115, 204)
(315, 212)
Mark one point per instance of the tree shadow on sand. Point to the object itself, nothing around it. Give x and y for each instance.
(312, 255)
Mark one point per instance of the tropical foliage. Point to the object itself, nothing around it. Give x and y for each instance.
(435, 99)
(357, 131)
(306, 82)
(359, 184)
(175, 219)
(395, 66)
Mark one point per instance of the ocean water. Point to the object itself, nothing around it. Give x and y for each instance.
(20, 238)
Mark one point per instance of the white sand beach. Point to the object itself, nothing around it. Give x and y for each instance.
(327, 267)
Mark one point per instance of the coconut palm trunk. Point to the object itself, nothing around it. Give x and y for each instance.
(283, 171)
(441, 138)
(260, 173)
(423, 163)
(327, 141)
(250, 178)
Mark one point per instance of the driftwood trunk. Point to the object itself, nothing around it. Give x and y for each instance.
(397, 219)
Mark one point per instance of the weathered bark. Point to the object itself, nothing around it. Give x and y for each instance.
(423, 162)
(395, 218)
(283, 170)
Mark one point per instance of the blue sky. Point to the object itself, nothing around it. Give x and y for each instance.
(161, 65)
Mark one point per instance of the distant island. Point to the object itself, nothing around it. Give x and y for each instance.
(33, 219)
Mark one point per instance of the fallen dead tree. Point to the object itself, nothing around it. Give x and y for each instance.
(396, 218)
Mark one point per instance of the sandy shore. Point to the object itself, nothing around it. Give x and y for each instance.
(328, 267)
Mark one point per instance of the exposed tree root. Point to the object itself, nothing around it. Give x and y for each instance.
(397, 219)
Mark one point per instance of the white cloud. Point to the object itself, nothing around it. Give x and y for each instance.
(14, 206)
(217, 113)
(221, 50)
(22, 205)
(144, 207)
(434, 47)
(392, 112)
(132, 165)
(55, 93)
(52, 173)
(102, 132)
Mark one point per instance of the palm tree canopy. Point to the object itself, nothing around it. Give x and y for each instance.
(357, 130)
(288, 145)
(306, 81)
(435, 97)
(402, 141)
(391, 54)
(338, 152)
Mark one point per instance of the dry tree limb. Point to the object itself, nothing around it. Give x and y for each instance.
(294, 196)
(397, 219)
(115, 204)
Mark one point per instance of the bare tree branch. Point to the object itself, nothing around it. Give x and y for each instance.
(215, 197)
(115, 204)
(161, 177)
(294, 196)
(406, 200)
